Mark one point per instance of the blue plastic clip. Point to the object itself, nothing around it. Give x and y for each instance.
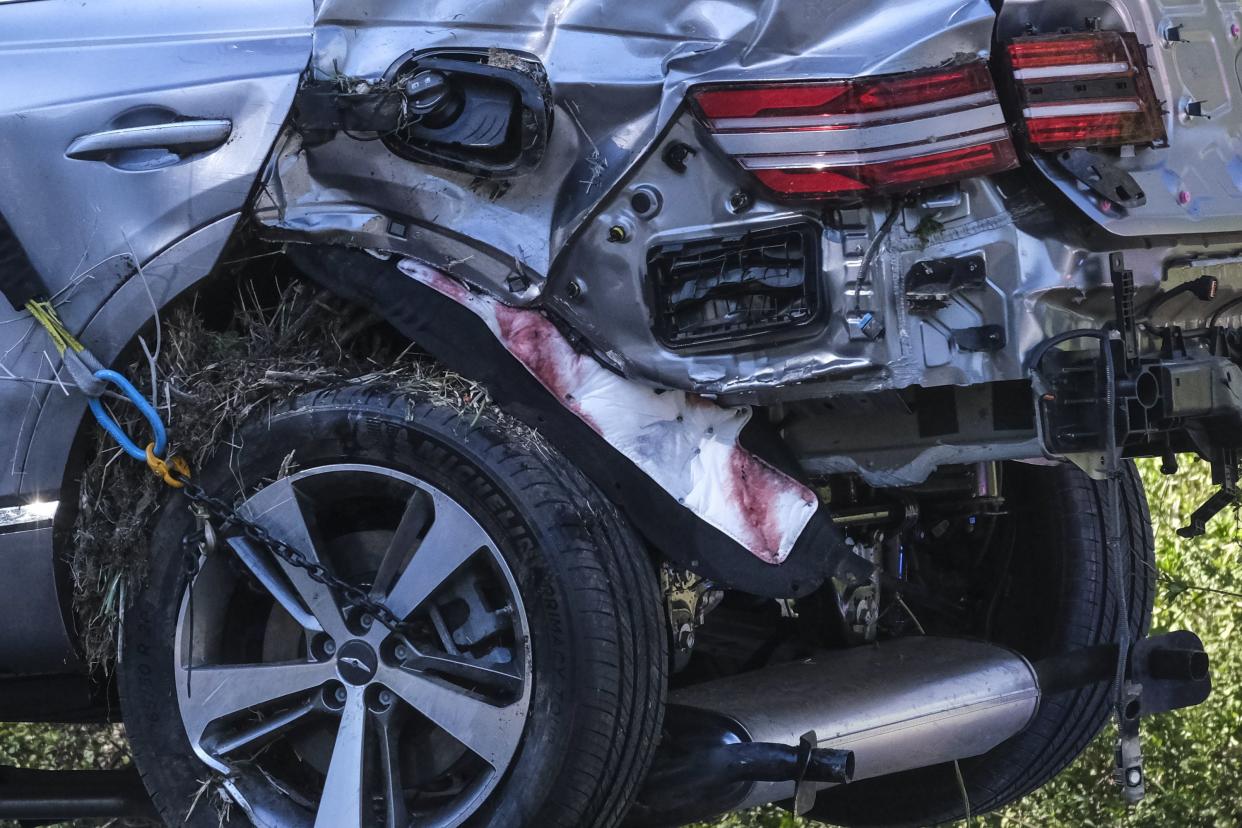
(110, 425)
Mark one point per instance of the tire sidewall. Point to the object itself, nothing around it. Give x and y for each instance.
(428, 442)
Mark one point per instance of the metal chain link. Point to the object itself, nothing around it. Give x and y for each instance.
(345, 592)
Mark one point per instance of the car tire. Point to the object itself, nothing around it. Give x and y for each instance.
(589, 591)
(1058, 597)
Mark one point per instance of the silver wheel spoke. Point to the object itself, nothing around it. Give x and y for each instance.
(488, 731)
(397, 815)
(221, 691)
(278, 509)
(466, 671)
(453, 539)
(344, 791)
(260, 732)
(414, 520)
(268, 571)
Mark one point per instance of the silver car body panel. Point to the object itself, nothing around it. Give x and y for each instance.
(540, 238)
(620, 78)
(620, 75)
(113, 218)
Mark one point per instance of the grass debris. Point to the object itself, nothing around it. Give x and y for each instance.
(209, 373)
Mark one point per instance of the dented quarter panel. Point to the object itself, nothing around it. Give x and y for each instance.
(619, 74)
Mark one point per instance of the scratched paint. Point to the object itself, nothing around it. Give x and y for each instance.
(688, 445)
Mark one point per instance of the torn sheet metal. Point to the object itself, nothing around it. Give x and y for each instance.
(619, 75)
(688, 445)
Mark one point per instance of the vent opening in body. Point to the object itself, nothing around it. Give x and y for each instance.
(739, 291)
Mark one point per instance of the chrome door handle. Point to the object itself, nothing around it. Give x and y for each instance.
(180, 137)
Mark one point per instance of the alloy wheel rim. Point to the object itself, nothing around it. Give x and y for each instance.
(316, 715)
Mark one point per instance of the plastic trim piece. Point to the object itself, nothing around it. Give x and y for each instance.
(462, 342)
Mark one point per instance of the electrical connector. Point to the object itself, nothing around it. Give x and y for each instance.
(1203, 288)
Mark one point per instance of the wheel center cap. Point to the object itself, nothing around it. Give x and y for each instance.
(356, 662)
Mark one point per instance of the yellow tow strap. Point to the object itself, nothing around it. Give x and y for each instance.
(43, 311)
(174, 471)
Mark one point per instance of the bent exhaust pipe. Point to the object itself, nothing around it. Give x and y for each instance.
(904, 704)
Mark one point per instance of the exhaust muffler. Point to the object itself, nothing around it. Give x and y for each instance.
(900, 705)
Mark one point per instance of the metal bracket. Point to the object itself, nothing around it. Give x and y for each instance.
(1166, 672)
(1099, 175)
(983, 338)
(1225, 473)
(932, 280)
(1129, 770)
(1174, 671)
(804, 789)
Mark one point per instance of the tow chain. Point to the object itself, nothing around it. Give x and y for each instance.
(228, 517)
(93, 380)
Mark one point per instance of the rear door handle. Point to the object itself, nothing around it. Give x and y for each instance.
(180, 137)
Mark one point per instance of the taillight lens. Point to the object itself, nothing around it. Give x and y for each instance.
(1095, 129)
(829, 100)
(904, 174)
(1090, 89)
(890, 133)
(1101, 50)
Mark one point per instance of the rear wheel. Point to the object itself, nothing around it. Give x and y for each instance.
(1056, 595)
(524, 687)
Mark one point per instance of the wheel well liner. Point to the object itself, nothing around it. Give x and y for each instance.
(462, 342)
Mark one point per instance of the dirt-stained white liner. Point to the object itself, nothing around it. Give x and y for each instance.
(686, 444)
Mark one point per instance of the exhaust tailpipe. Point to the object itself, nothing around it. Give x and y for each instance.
(904, 704)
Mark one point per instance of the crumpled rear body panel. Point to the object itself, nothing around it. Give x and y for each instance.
(619, 75)
(566, 241)
(619, 72)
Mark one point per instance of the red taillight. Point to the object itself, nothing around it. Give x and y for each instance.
(1088, 129)
(769, 101)
(893, 176)
(866, 135)
(837, 98)
(1085, 90)
(922, 88)
(1091, 49)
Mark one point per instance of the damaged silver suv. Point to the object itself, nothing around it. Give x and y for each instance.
(596, 414)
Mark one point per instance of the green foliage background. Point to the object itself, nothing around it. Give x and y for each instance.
(1194, 757)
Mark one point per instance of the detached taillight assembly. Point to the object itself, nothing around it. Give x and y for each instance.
(1087, 89)
(852, 138)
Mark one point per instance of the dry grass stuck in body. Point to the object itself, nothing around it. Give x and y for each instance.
(284, 339)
